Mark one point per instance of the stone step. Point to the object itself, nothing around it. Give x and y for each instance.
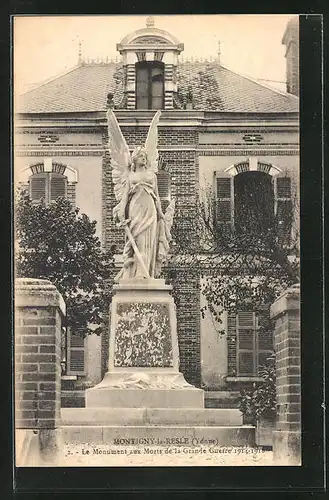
(160, 435)
(151, 416)
(221, 399)
(73, 399)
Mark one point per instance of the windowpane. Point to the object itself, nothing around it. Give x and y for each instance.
(142, 86)
(142, 103)
(157, 87)
(157, 103)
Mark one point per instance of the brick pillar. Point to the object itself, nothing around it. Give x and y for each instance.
(287, 436)
(39, 309)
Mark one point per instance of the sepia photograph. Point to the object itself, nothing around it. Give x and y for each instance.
(157, 245)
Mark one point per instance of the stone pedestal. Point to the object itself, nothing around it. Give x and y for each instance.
(39, 311)
(143, 397)
(143, 369)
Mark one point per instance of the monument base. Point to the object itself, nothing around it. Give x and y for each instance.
(147, 389)
(143, 352)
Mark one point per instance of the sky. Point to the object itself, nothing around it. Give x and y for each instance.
(45, 46)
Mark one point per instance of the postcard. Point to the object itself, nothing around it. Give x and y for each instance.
(157, 300)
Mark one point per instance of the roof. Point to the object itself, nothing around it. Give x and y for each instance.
(213, 87)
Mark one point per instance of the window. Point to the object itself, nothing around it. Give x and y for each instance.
(254, 201)
(47, 186)
(164, 188)
(75, 354)
(149, 85)
(250, 342)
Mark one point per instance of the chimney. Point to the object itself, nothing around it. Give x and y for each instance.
(291, 41)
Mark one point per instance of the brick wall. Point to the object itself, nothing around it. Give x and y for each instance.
(183, 169)
(39, 309)
(285, 312)
(187, 284)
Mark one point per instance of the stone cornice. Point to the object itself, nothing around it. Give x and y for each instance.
(31, 292)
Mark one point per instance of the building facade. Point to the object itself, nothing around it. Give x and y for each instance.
(216, 128)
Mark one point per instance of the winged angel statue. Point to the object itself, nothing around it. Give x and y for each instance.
(139, 210)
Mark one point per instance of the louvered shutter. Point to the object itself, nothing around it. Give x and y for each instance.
(246, 344)
(58, 186)
(38, 187)
(164, 188)
(264, 339)
(283, 208)
(75, 354)
(231, 344)
(224, 190)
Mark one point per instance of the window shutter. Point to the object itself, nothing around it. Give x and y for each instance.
(164, 188)
(231, 344)
(283, 208)
(38, 186)
(246, 344)
(250, 342)
(57, 187)
(264, 336)
(71, 193)
(224, 198)
(75, 354)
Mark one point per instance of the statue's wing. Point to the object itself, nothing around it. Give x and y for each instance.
(151, 144)
(120, 155)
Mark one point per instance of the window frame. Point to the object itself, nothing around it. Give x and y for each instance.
(149, 65)
(256, 350)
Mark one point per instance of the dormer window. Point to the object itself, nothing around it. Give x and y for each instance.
(149, 85)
